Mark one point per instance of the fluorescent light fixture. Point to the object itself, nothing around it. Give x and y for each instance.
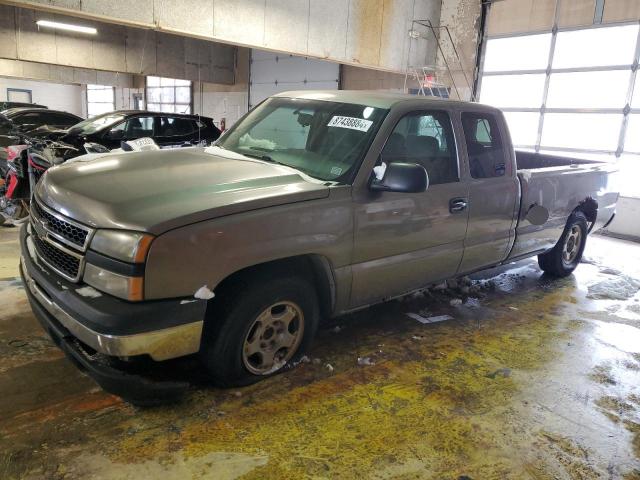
(66, 26)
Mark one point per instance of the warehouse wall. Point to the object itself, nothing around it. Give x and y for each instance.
(56, 96)
(115, 48)
(356, 78)
(359, 32)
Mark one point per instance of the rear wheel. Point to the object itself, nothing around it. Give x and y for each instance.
(563, 259)
(258, 328)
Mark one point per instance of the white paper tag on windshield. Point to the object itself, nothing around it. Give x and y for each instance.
(350, 122)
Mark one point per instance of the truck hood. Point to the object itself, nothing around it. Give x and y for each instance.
(160, 190)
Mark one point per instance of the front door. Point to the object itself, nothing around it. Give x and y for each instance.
(404, 241)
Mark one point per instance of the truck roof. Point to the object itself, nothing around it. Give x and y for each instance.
(376, 98)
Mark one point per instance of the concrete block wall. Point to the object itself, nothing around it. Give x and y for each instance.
(115, 48)
(371, 33)
(355, 78)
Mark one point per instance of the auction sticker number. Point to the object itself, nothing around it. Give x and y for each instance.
(350, 122)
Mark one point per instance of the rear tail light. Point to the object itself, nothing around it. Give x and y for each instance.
(13, 152)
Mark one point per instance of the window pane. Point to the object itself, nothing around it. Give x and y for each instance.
(168, 107)
(588, 89)
(167, 82)
(167, 95)
(596, 47)
(153, 107)
(98, 108)
(153, 95)
(102, 95)
(484, 145)
(425, 139)
(153, 81)
(517, 53)
(183, 94)
(181, 108)
(523, 91)
(183, 83)
(582, 130)
(523, 127)
(632, 136)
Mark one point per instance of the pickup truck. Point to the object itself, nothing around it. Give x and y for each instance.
(314, 204)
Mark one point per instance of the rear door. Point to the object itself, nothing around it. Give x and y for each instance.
(404, 241)
(494, 190)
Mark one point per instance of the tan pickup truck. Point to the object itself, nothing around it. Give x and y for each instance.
(314, 204)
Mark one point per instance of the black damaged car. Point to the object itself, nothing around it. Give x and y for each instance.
(166, 129)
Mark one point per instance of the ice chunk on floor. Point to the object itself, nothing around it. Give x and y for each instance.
(620, 288)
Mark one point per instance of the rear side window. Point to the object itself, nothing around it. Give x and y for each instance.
(484, 145)
(173, 126)
(52, 118)
(28, 119)
(425, 138)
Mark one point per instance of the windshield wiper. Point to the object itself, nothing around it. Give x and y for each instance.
(265, 158)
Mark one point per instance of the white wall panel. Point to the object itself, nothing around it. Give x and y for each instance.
(56, 96)
(273, 73)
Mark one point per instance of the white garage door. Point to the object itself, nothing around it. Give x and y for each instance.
(278, 72)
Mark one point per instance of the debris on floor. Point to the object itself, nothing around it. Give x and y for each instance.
(434, 319)
(365, 361)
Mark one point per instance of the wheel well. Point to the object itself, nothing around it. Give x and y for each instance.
(315, 268)
(589, 207)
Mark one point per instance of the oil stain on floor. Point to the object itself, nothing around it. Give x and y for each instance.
(530, 379)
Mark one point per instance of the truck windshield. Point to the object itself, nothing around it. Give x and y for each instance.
(323, 139)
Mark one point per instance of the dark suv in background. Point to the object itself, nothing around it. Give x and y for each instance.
(25, 119)
(167, 129)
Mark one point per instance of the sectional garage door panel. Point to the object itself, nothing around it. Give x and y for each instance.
(273, 73)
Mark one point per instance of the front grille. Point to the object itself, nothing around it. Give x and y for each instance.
(69, 232)
(57, 258)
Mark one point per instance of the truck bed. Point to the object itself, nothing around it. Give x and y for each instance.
(559, 184)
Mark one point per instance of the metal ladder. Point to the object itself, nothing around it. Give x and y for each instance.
(421, 74)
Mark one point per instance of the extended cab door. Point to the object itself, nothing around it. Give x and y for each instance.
(494, 190)
(404, 241)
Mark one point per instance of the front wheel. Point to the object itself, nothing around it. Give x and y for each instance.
(258, 328)
(563, 259)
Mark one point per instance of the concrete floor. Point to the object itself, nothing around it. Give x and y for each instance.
(539, 379)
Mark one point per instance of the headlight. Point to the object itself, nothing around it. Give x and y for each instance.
(106, 274)
(121, 286)
(128, 246)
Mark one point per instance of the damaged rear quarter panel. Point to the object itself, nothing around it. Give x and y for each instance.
(205, 253)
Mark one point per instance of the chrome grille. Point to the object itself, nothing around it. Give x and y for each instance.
(64, 230)
(59, 241)
(64, 263)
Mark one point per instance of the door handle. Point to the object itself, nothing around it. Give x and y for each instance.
(457, 205)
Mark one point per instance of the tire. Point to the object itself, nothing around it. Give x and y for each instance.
(563, 259)
(247, 325)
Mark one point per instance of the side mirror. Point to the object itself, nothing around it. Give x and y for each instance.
(403, 177)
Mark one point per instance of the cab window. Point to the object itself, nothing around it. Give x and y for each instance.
(425, 138)
(484, 145)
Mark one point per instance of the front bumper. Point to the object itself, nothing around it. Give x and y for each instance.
(93, 332)
(161, 329)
